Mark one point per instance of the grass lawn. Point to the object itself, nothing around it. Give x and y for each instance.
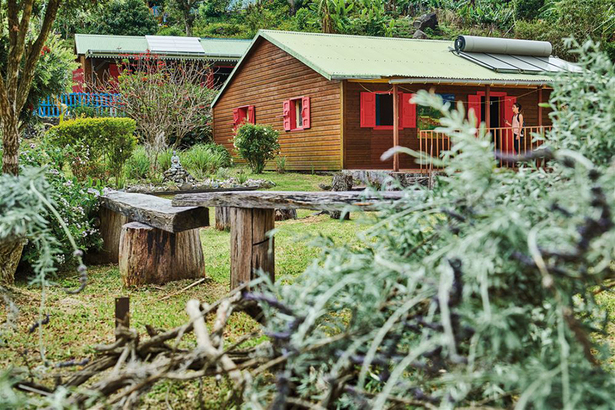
(292, 181)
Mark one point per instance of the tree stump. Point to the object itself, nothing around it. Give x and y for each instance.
(223, 218)
(341, 182)
(151, 255)
(10, 255)
(251, 249)
(111, 223)
(285, 214)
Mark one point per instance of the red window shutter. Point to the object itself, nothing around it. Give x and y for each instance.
(114, 72)
(306, 112)
(286, 114)
(235, 117)
(368, 109)
(474, 104)
(251, 114)
(408, 111)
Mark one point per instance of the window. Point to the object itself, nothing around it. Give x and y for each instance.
(384, 110)
(377, 110)
(296, 113)
(245, 114)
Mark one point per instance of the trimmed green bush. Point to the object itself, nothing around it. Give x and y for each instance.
(97, 147)
(256, 144)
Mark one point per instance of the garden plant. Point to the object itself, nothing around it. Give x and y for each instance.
(479, 293)
(256, 144)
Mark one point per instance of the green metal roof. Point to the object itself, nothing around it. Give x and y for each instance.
(346, 57)
(95, 45)
(230, 47)
(341, 57)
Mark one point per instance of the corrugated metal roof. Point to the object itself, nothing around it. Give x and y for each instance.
(95, 45)
(228, 47)
(338, 57)
(346, 57)
(110, 44)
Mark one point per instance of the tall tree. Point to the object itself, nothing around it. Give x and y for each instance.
(16, 80)
(123, 18)
(187, 9)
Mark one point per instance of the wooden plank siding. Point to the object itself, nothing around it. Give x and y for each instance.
(267, 77)
(364, 146)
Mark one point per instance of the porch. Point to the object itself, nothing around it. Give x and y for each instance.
(433, 143)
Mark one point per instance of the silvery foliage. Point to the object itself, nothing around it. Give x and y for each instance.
(480, 292)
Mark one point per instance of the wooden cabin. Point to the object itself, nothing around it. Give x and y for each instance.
(98, 55)
(335, 98)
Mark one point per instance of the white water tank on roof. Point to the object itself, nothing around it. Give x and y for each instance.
(473, 44)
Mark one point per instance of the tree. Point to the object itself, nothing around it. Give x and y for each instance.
(187, 9)
(123, 17)
(24, 51)
(166, 99)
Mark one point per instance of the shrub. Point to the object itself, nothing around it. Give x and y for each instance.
(280, 165)
(138, 165)
(256, 144)
(205, 159)
(76, 202)
(100, 145)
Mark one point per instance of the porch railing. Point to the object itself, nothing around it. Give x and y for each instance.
(433, 143)
(102, 103)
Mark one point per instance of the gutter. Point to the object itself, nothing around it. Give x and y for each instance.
(451, 81)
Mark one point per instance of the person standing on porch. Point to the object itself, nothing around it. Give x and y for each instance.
(517, 127)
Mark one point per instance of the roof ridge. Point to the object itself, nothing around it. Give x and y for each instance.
(352, 35)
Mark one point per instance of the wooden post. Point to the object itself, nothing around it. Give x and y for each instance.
(122, 312)
(488, 106)
(539, 107)
(251, 249)
(223, 218)
(395, 127)
(111, 223)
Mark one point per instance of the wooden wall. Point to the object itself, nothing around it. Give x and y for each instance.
(364, 146)
(266, 78)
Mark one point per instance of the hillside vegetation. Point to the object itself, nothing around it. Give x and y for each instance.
(551, 20)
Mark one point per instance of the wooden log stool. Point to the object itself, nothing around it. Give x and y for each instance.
(151, 255)
(157, 243)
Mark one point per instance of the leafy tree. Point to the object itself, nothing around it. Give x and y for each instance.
(52, 76)
(186, 10)
(123, 17)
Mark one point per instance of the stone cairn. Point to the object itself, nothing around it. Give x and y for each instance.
(177, 173)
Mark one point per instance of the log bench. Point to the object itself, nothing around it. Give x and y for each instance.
(152, 241)
(252, 215)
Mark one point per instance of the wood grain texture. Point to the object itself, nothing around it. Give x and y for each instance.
(151, 255)
(251, 249)
(269, 76)
(154, 211)
(328, 201)
(223, 218)
(363, 147)
(111, 223)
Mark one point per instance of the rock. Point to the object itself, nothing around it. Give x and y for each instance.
(429, 20)
(177, 175)
(419, 34)
(324, 187)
